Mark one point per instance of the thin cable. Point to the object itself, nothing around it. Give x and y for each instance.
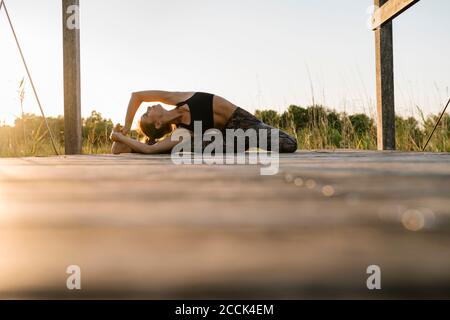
(30, 78)
(437, 124)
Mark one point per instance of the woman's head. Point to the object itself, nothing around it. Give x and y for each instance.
(153, 124)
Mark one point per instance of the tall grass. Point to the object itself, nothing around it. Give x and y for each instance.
(315, 127)
(29, 136)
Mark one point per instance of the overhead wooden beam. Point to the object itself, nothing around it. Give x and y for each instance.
(72, 83)
(389, 11)
(385, 84)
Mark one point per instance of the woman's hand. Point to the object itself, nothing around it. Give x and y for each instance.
(124, 130)
(116, 136)
(117, 133)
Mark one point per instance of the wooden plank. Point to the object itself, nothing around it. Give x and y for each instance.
(72, 85)
(389, 11)
(141, 227)
(384, 55)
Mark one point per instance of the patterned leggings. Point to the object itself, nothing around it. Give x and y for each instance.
(244, 120)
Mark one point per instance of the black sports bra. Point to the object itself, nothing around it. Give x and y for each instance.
(201, 109)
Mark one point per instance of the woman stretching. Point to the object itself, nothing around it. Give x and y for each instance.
(158, 124)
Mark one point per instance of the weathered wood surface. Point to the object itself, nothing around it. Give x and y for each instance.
(141, 227)
(72, 78)
(384, 56)
(390, 10)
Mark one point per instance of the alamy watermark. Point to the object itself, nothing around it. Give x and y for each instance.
(74, 280)
(374, 280)
(73, 21)
(229, 149)
(374, 14)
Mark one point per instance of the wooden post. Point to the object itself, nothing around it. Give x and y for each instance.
(72, 90)
(385, 84)
(390, 10)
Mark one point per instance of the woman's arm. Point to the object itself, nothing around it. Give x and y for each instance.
(164, 146)
(137, 98)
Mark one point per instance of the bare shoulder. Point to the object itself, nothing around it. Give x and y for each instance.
(177, 97)
(168, 97)
(218, 100)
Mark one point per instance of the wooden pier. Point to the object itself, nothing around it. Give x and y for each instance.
(140, 227)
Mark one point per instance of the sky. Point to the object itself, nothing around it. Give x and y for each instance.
(257, 54)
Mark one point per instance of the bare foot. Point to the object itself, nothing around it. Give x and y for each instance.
(118, 148)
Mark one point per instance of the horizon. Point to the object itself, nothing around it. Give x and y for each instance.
(271, 75)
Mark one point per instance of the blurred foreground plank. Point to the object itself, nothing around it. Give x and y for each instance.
(141, 227)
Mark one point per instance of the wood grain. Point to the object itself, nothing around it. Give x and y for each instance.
(384, 55)
(72, 81)
(141, 227)
(390, 10)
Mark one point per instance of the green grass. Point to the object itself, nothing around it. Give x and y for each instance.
(29, 136)
(319, 128)
(315, 127)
